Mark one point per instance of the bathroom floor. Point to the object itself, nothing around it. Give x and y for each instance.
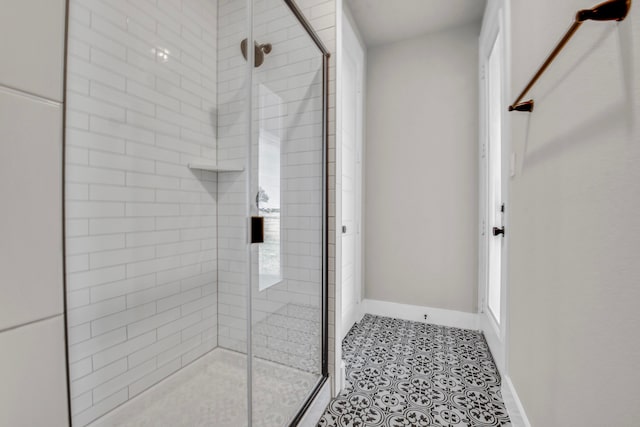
(402, 373)
(212, 392)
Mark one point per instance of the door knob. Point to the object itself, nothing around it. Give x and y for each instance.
(497, 231)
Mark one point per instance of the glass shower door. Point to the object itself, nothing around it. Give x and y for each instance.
(287, 193)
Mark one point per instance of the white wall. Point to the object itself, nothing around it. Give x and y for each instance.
(575, 234)
(421, 171)
(141, 226)
(32, 349)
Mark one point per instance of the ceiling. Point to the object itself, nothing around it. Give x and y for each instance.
(386, 21)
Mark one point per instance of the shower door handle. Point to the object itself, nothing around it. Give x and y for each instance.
(257, 229)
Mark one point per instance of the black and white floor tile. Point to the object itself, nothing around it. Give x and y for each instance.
(403, 373)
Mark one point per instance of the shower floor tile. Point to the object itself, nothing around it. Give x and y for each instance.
(403, 373)
(212, 392)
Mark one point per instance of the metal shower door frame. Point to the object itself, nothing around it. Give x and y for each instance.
(293, 7)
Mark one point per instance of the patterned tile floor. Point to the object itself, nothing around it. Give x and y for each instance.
(212, 392)
(403, 373)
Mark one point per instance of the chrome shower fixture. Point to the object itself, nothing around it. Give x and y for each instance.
(260, 51)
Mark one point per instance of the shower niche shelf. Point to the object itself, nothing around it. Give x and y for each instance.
(213, 167)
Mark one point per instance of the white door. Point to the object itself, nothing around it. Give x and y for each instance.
(494, 201)
(492, 299)
(351, 150)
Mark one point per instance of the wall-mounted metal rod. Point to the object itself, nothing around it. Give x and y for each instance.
(612, 10)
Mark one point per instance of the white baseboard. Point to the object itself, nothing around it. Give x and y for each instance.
(350, 318)
(514, 406)
(438, 316)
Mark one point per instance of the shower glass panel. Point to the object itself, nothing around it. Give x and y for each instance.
(287, 179)
(173, 139)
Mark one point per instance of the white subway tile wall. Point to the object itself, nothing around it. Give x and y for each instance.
(156, 252)
(141, 240)
(232, 148)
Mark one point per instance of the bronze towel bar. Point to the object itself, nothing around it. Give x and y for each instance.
(612, 10)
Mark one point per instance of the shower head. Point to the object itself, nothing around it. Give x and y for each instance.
(260, 51)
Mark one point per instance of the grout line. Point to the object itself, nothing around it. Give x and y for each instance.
(30, 95)
(43, 319)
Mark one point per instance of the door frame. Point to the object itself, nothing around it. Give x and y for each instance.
(326, 55)
(496, 19)
(344, 18)
(352, 43)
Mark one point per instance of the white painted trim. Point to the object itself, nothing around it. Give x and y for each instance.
(438, 316)
(352, 50)
(496, 20)
(317, 408)
(354, 316)
(506, 16)
(343, 18)
(337, 232)
(514, 406)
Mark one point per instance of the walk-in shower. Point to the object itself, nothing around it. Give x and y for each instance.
(175, 139)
